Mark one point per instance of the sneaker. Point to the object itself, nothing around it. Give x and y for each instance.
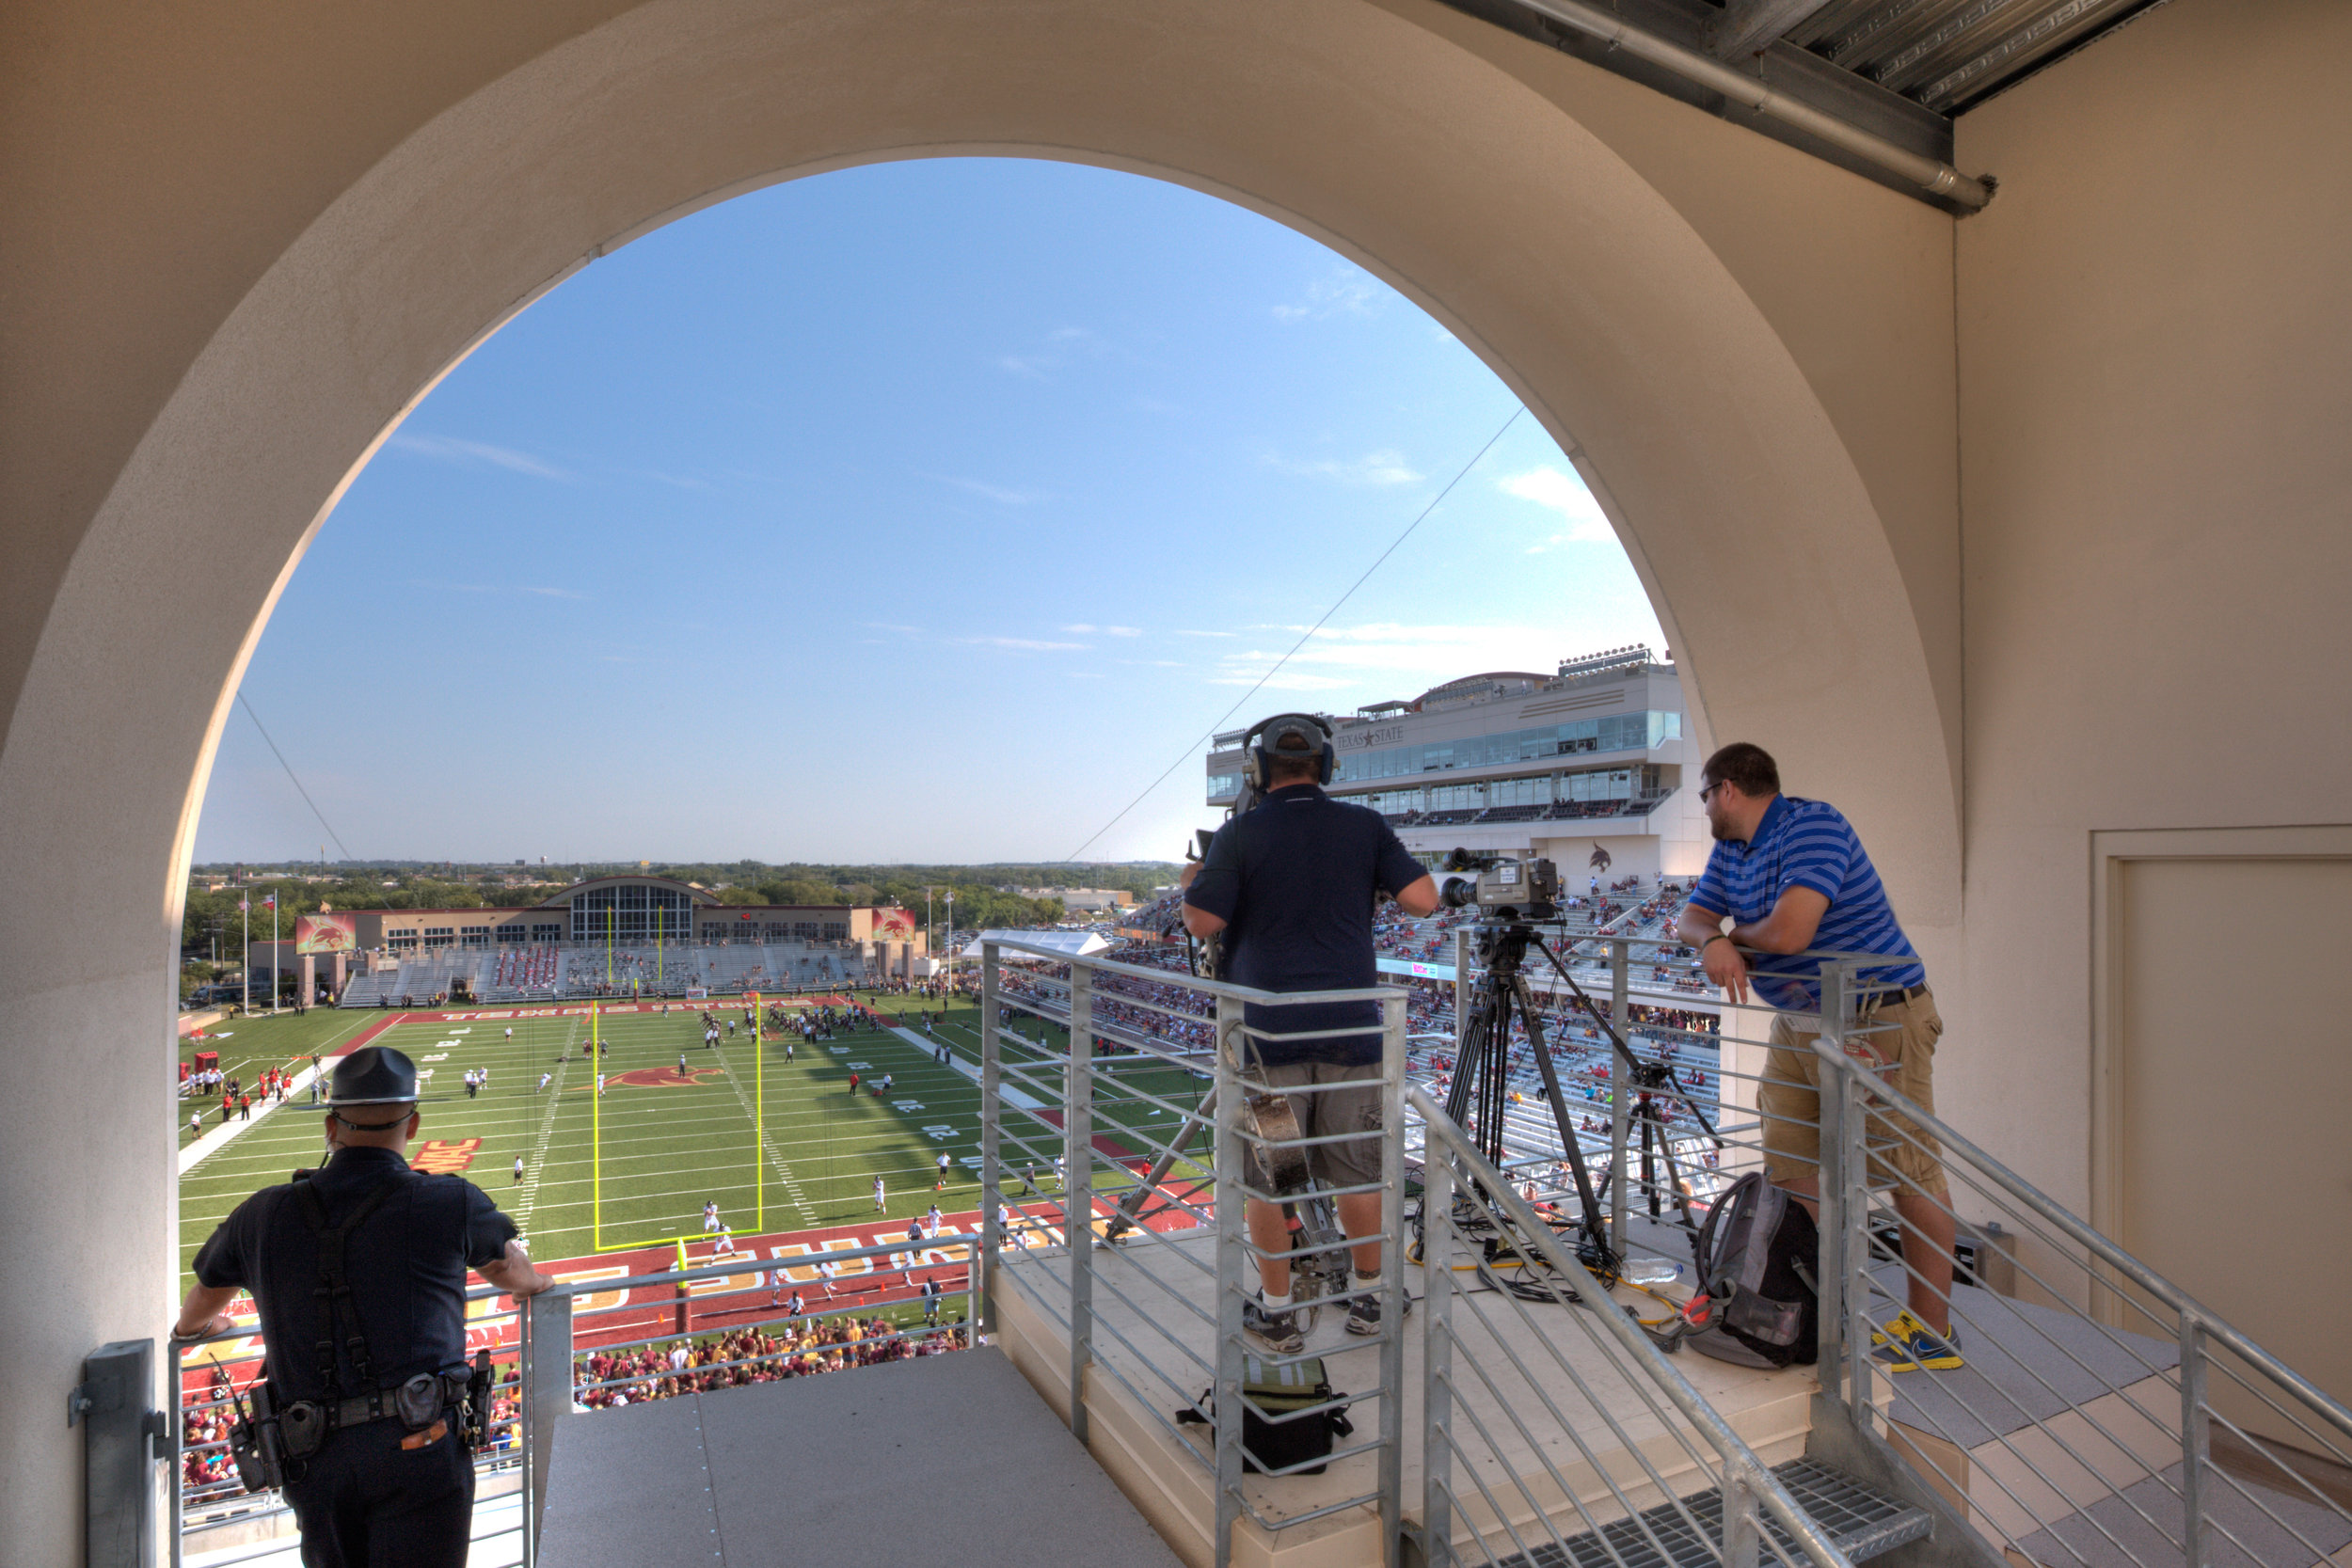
(1276, 1331)
(1908, 1345)
(1363, 1313)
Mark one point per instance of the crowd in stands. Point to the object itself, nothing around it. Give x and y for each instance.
(745, 1356)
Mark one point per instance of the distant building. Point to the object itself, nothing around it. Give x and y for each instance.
(1589, 762)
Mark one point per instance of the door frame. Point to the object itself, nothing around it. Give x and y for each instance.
(2112, 852)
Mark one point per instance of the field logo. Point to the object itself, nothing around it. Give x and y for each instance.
(665, 1077)
(441, 1157)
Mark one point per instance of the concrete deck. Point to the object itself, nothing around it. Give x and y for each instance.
(950, 1459)
(1164, 1474)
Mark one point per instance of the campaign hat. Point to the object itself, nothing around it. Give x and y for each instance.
(374, 1075)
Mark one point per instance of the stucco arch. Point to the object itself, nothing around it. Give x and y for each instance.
(1487, 201)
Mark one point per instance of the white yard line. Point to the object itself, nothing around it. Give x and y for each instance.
(529, 1197)
(751, 1112)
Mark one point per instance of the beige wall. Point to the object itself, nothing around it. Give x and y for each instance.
(2156, 363)
(243, 239)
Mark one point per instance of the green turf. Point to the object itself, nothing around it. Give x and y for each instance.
(665, 1150)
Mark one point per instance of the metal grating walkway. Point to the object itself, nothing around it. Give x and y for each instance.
(1863, 1524)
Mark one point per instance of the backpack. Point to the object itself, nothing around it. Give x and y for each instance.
(1757, 1304)
(1270, 1444)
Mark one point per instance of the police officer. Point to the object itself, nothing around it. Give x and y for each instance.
(358, 1268)
(1292, 884)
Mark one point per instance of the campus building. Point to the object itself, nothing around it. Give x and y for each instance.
(1591, 766)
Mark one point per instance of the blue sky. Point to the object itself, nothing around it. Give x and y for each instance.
(924, 512)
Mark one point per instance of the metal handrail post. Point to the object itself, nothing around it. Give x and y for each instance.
(523, 1386)
(2195, 1433)
(1838, 995)
(1436, 1353)
(1078, 1188)
(1392, 1277)
(1620, 1098)
(1231, 1232)
(984, 1263)
(547, 1319)
(1743, 1526)
(1830, 1261)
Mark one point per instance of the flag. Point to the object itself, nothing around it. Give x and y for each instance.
(271, 902)
(244, 903)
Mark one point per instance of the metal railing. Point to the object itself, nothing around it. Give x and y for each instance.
(1506, 1400)
(2102, 1416)
(1145, 1218)
(220, 1504)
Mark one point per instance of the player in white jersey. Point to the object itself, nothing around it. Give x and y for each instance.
(882, 1199)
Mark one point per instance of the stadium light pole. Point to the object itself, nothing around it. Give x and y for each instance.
(245, 965)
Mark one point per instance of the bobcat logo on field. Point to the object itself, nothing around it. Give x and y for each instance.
(441, 1157)
(663, 1077)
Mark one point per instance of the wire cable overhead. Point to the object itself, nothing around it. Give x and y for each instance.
(1212, 732)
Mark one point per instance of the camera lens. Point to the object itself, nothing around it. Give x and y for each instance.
(1459, 893)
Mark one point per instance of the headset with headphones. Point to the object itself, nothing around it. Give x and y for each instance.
(1257, 767)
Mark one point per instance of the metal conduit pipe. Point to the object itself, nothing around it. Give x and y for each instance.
(1933, 178)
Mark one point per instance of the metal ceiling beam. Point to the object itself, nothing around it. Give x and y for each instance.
(1931, 178)
(1749, 27)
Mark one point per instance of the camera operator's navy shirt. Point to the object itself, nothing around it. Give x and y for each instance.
(406, 1263)
(1801, 842)
(1295, 882)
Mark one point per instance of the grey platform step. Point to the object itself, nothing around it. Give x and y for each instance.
(1862, 1522)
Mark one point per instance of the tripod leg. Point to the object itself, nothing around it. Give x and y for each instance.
(1593, 1228)
(1646, 1114)
(1129, 1213)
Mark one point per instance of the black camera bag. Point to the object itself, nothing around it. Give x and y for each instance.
(1270, 1444)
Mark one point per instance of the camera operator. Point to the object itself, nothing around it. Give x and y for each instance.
(358, 1270)
(1792, 875)
(1292, 884)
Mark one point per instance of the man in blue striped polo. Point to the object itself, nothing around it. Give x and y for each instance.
(1791, 877)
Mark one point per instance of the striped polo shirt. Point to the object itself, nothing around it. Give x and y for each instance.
(1807, 844)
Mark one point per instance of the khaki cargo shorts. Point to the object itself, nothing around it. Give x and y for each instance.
(1789, 1097)
(1353, 1108)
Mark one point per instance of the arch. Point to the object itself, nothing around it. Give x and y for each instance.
(1507, 216)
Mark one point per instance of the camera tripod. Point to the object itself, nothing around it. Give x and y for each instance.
(1481, 1086)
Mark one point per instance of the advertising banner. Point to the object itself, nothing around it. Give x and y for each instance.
(325, 933)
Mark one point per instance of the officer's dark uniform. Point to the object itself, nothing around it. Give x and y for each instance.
(377, 1492)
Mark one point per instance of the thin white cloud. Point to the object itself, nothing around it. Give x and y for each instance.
(1564, 493)
(1394, 659)
(451, 448)
(1283, 680)
(1190, 633)
(555, 593)
(890, 626)
(1083, 629)
(1026, 644)
(998, 492)
(1347, 291)
(1374, 467)
(1063, 345)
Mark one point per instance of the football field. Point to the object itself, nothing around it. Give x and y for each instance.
(780, 1141)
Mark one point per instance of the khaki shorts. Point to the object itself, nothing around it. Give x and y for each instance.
(1790, 1103)
(1353, 1109)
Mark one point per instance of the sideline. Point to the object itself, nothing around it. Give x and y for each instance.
(191, 1154)
(1021, 1098)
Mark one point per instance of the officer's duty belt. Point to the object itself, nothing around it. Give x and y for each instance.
(384, 1404)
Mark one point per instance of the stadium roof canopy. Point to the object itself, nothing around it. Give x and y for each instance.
(1077, 945)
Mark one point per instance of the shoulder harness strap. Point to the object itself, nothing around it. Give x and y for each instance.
(334, 1288)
